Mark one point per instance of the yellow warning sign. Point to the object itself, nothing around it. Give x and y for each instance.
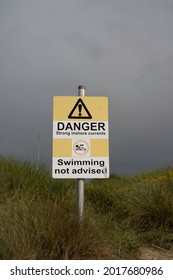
(80, 137)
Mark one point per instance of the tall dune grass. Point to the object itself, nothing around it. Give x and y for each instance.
(38, 215)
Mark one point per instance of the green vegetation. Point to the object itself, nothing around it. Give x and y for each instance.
(38, 218)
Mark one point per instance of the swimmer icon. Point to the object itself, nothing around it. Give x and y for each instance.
(81, 147)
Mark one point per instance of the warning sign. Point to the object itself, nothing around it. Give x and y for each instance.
(80, 111)
(80, 137)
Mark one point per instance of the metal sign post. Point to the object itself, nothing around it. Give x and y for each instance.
(80, 140)
(80, 182)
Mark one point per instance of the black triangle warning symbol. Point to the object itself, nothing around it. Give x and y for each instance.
(80, 111)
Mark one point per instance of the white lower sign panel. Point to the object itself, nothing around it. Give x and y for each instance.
(74, 167)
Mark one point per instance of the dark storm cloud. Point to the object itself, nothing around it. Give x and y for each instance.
(121, 49)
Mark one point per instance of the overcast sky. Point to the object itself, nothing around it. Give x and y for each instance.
(122, 49)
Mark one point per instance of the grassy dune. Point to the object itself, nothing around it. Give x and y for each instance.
(38, 218)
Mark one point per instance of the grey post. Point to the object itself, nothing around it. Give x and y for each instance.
(80, 182)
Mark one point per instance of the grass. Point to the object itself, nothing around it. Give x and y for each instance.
(38, 218)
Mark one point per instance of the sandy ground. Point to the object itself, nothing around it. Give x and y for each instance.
(156, 253)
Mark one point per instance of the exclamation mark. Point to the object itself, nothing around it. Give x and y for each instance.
(80, 110)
